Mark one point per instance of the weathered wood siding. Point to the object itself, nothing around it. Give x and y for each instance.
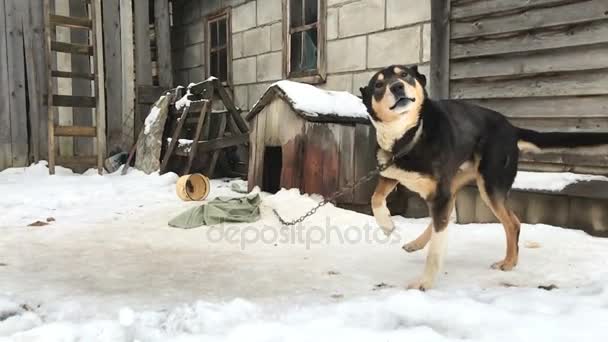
(23, 74)
(543, 63)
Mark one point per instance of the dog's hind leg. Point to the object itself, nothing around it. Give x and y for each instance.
(497, 201)
(381, 213)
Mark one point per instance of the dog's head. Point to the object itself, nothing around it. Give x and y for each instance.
(394, 92)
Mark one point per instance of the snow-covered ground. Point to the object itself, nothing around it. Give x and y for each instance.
(108, 268)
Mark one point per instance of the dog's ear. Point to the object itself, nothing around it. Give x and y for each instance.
(366, 96)
(420, 77)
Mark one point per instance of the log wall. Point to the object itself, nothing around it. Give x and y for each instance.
(543, 63)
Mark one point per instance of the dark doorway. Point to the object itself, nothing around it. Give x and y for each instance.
(273, 162)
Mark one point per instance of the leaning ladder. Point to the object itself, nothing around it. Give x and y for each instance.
(91, 23)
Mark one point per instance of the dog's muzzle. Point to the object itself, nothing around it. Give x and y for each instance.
(402, 101)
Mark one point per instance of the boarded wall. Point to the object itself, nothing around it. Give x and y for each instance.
(22, 111)
(543, 63)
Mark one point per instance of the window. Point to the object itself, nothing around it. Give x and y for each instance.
(305, 40)
(218, 46)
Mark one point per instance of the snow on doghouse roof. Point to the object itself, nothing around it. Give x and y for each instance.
(313, 103)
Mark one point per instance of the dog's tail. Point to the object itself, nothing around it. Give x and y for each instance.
(533, 140)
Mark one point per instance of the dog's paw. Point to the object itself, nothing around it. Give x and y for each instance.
(503, 265)
(387, 230)
(421, 285)
(412, 246)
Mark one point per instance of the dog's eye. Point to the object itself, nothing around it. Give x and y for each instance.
(379, 84)
(403, 74)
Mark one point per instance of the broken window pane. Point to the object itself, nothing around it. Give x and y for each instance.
(309, 44)
(304, 50)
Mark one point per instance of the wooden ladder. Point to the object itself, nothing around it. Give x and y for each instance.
(92, 24)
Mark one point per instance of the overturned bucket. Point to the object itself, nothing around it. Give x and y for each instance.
(194, 187)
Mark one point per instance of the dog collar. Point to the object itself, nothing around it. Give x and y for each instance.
(410, 145)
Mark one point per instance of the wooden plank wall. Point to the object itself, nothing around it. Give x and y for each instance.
(23, 84)
(543, 63)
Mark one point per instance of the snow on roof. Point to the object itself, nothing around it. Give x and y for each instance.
(314, 103)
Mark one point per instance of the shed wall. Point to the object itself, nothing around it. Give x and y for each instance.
(542, 63)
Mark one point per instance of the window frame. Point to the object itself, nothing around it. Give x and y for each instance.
(209, 19)
(318, 75)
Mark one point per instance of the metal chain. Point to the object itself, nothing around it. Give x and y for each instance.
(333, 196)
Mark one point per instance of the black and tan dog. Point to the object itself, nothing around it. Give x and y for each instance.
(449, 143)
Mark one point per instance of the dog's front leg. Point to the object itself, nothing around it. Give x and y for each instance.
(441, 207)
(379, 208)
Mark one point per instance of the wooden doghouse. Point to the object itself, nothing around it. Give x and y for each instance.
(315, 140)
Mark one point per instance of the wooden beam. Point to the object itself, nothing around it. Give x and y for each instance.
(143, 63)
(74, 101)
(72, 22)
(163, 43)
(36, 9)
(197, 135)
(6, 154)
(50, 110)
(34, 95)
(223, 142)
(220, 134)
(75, 131)
(80, 162)
(15, 11)
(440, 49)
(70, 74)
(229, 104)
(174, 139)
(128, 73)
(100, 92)
(76, 49)
(113, 73)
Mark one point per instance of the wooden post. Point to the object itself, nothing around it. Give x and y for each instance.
(15, 11)
(163, 43)
(128, 73)
(113, 72)
(32, 88)
(100, 94)
(143, 57)
(37, 29)
(440, 49)
(6, 154)
(50, 113)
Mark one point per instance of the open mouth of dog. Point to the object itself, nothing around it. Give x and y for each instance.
(402, 101)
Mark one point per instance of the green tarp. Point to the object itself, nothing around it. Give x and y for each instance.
(220, 210)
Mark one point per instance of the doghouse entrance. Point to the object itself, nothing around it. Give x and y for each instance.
(273, 162)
